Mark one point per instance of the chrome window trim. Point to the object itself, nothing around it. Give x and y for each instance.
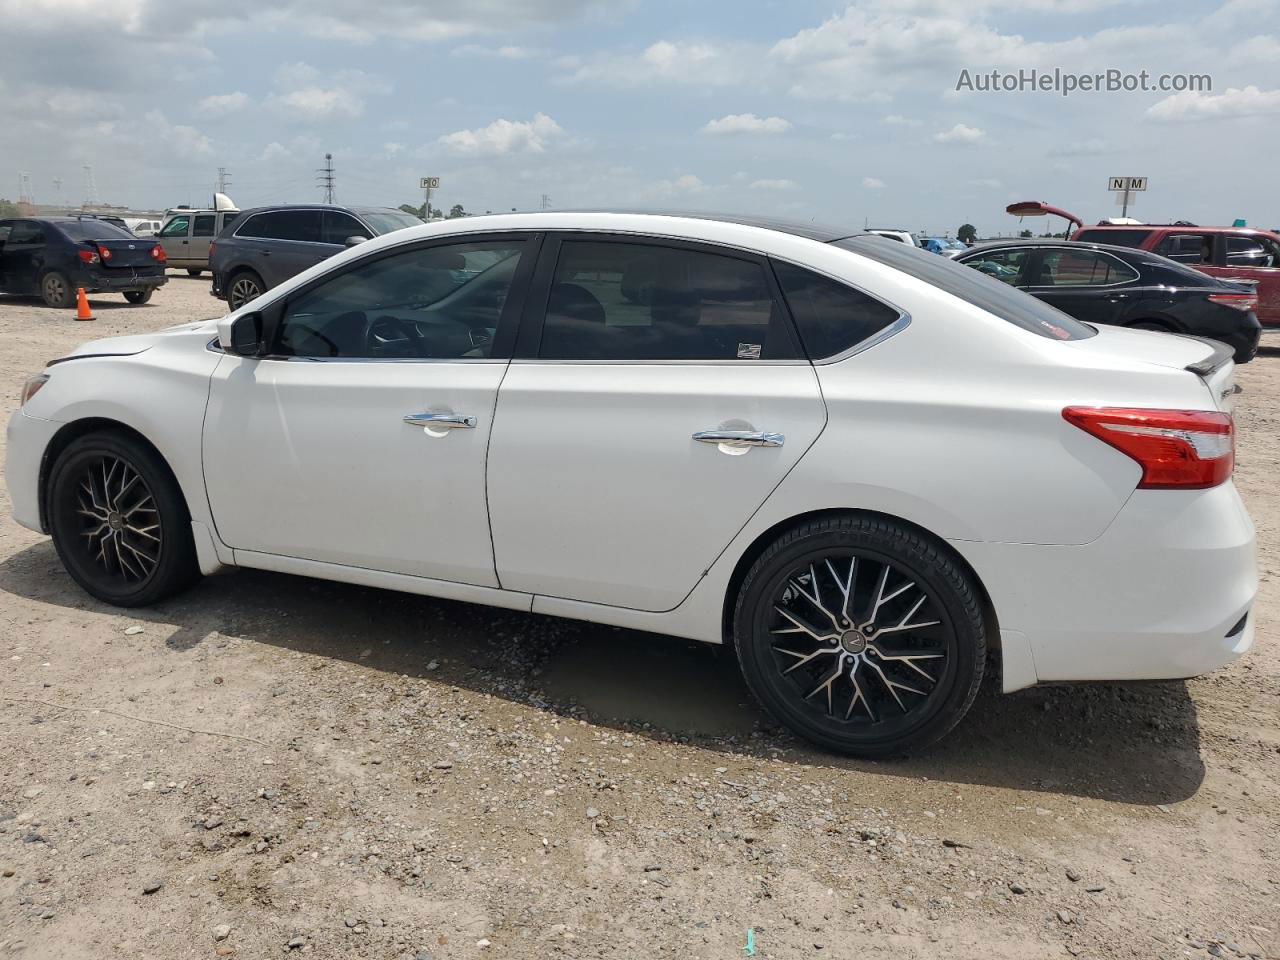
(880, 336)
(1083, 286)
(236, 233)
(727, 362)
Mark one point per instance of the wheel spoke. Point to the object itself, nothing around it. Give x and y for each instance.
(910, 661)
(858, 698)
(805, 628)
(804, 658)
(845, 587)
(902, 624)
(119, 523)
(815, 597)
(892, 685)
(826, 685)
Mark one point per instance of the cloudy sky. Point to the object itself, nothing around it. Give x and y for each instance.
(794, 107)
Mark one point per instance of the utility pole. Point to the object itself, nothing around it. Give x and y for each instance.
(546, 202)
(324, 177)
(57, 190)
(90, 187)
(224, 179)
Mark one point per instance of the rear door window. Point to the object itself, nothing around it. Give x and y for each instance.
(1121, 238)
(25, 233)
(203, 225)
(637, 301)
(337, 226)
(298, 225)
(1007, 266)
(832, 317)
(1187, 247)
(1252, 252)
(1080, 268)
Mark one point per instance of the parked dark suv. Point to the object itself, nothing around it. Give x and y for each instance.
(267, 245)
(51, 256)
(1101, 283)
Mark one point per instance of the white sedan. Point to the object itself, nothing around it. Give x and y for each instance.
(876, 472)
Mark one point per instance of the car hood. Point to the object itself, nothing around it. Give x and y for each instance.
(136, 343)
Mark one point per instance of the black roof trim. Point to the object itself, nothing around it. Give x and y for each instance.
(822, 232)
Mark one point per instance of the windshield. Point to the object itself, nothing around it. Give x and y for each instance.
(93, 230)
(1020, 309)
(387, 221)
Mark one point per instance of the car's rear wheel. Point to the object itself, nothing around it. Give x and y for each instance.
(861, 635)
(194, 272)
(56, 290)
(139, 296)
(119, 522)
(243, 287)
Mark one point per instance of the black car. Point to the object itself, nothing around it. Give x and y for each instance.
(1100, 283)
(52, 256)
(265, 246)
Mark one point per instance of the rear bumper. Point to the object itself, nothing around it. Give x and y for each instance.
(1166, 592)
(126, 279)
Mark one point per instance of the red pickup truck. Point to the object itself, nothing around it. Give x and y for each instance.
(1232, 253)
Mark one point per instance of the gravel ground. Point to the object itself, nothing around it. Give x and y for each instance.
(269, 765)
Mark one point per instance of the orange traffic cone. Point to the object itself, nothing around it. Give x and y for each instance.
(82, 305)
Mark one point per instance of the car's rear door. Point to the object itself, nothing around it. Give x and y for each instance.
(362, 439)
(1256, 257)
(1090, 285)
(657, 397)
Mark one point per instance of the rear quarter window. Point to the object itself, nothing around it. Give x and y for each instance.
(832, 317)
(1011, 305)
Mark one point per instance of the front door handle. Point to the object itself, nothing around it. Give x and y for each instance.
(448, 421)
(740, 438)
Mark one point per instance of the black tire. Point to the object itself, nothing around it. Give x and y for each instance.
(917, 683)
(139, 296)
(244, 285)
(56, 290)
(142, 551)
(193, 272)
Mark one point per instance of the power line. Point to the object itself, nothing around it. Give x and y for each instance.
(324, 177)
(545, 202)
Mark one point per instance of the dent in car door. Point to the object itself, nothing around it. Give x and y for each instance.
(600, 487)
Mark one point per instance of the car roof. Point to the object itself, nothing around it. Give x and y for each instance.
(822, 232)
(1047, 242)
(1189, 227)
(344, 208)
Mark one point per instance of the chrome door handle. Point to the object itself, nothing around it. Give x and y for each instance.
(740, 438)
(447, 420)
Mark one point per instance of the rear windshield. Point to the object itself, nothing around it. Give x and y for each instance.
(93, 230)
(1020, 309)
(1121, 238)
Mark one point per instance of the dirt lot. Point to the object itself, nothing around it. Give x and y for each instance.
(388, 776)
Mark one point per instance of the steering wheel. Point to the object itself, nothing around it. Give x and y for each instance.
(403, 334)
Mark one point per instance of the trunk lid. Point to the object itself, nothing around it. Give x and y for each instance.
(125, 253)
(1207, 359)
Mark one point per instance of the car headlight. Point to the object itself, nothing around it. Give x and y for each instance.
(32, 386)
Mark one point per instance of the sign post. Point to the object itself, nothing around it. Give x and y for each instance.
(427, 184)
(1123, 187)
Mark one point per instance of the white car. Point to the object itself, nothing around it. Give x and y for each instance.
(876, 472)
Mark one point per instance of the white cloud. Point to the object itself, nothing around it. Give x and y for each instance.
(773, 185)
(1247, 102)
(317, 103)
(959, 134)
(274, 151)
(505, 136)
(221, 104)
(873, 183)
(506, 52)
(304, 93)
(391, 148)
(185, 141)
(898, 120)
(747, 123)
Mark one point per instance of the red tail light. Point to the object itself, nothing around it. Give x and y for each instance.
(1241, 301)
(157, 253)
(104, 253)
(1177, 449)
(87, 256)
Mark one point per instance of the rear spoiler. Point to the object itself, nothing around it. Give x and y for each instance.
(1222, 355)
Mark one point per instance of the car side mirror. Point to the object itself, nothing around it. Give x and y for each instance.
(243, 336)
(352, 241)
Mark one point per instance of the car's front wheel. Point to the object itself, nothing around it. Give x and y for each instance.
(243, 287)
(139, 296)
(861, 635)
(119, 521)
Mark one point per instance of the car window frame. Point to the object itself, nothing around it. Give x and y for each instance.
(41, 238)
(325, 214)
(512, 309)
(529, 334)
(1042, 252)
(187, 215)
(1019, 282)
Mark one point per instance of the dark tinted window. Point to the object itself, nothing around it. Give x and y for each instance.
(300, 225)
(1014, 306)
(5, 228)
(631, 301)
(385, 221)
(27, 231)
(1187, 247)
(1120, 238)
(177, 227)
(94, 230)
(204, 225)
(1005, 265)
(1080, 268)
(439, 302)
(337, 226)
(831, 316)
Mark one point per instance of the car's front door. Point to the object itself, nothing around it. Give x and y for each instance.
(284, 243)
(1089, 285)
(22, 258)
(175, 240)
(657, 398)
(362, 438)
